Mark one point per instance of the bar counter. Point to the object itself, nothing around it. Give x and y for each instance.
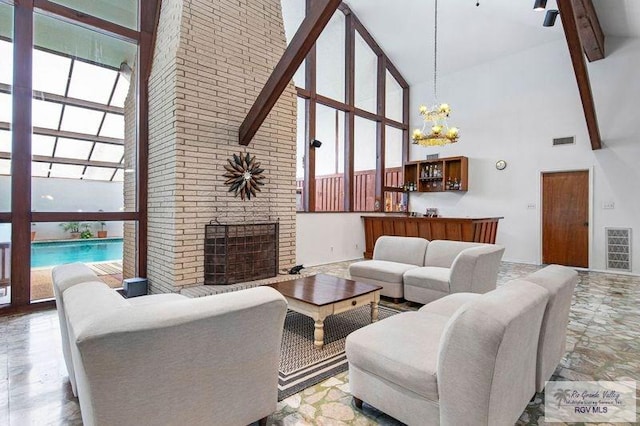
(478, 229)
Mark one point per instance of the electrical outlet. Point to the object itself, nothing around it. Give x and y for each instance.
(531, 206)
(609, 205)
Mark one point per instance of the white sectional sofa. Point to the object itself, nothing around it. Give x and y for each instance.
(422, 271)
(168, 359)
(465, 359)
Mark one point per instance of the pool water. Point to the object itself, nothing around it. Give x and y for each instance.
(53, 253)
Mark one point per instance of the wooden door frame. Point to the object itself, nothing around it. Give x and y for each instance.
(590, 171)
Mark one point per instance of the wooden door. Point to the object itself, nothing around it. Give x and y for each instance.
(565, 218)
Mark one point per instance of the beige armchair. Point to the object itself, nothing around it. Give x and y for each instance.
(476, 367)
(453, 267)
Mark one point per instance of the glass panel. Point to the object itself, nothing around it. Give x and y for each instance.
(293, 12)
(81, 120)
(113, 126)
(42, 145)
(393, 176)
(330, 53)
(40, 169)
(92, 75)
(98, 244)
(120, 94)
(106, 152)
(83, 82)
(366, 72)
(121, 12)
(6, 107)
(50, 72)
(46, 114)
(5, 263)
(73, 148)
(98, 173)
(6, 111)
(364, 164)
(6, 53)
(393, 99)
(330, 159)
(301, 138)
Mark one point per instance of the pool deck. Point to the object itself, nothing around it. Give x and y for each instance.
(42, 287)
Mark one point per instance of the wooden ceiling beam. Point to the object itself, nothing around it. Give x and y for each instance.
(589, 28)
(304, 39)
(571, 32)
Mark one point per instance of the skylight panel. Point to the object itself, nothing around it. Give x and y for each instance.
(5, 167)
(120, 94)
(91, 82)
(113, 126)
(72, 148)
(50, 72)
(119, 176)
(5, 108)
(66, 171)
(40, 169)
(98, 173)
(6, 69)
(107, 152)
(42, 145)
(81, 120)
(46, 114)
(5, 141)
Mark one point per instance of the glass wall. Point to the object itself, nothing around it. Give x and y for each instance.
(6, 104)
(393, 175)
(100, 245)
(366, 72)
(301, 146)
(83, 141)
(121, 12)
(329, 159)
(393, 98)
(364, 164)
(330, 56)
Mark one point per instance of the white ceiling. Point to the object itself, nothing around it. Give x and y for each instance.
(470, 35)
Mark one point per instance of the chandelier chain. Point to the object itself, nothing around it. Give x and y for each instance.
(435, 54)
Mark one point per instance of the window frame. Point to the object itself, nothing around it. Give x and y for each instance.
(312, 98)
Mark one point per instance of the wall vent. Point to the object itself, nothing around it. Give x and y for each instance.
(618, 249)
(432, 156)
(569, 140)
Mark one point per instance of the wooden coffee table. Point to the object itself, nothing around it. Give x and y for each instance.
(322, 295)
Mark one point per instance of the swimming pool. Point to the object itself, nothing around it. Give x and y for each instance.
(51, 253)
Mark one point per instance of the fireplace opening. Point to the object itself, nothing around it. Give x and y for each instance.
(236, 253)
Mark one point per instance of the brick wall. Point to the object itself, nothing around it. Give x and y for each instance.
(206, 74)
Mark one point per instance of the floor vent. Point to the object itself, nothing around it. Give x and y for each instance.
(618, 248)
(570, 140)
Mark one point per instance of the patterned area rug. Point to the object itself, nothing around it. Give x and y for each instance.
(301, 364)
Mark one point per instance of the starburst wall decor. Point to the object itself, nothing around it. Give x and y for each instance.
(244, 175)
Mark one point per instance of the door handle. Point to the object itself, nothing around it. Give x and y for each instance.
(585, 224)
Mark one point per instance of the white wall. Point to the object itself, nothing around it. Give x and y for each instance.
(511, 109)
(66, 195)
(328, 237)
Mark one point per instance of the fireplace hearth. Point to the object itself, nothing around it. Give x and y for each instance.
(235, 253)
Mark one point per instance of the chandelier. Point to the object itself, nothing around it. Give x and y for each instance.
(435, 118)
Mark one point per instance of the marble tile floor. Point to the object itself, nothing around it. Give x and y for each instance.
(603, 344)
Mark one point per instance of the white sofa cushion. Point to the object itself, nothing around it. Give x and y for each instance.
(155, 298)
(402, 349)
(380, 270)
(431, 277)
(560, 282)
(448, 305)
(442, 253)
(407, 250)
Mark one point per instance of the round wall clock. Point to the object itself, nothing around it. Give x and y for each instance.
(501, 165)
